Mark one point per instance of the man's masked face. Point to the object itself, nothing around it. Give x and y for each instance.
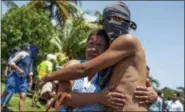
(115, 26)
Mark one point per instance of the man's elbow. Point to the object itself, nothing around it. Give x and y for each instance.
(12, 65)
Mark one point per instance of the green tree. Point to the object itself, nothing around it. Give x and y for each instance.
(181, 91)
(20, 25)
(99, 16)
(72, 37)
(60, 10)
(167, 92)
(154, 82)
(61, 58)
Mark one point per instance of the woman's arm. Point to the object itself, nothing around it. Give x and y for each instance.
(105, 97)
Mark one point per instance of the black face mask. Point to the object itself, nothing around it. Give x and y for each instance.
(115, 29)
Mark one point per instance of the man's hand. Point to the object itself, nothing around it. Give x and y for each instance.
(6, 73)
(30, 85)
(14, 66)
(146, 95)
(113, 100)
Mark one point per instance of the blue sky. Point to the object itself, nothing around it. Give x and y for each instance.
(161, 32)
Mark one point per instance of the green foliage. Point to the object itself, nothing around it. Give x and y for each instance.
(154, 82)
(73, 36)
(99, 16)
(61, 59)
(58, 10)
(181, 91)
(20, 25)
(167, 92)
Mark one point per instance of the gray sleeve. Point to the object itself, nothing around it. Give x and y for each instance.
(16, 58)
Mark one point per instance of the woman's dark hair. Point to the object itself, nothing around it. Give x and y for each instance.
(101, 33)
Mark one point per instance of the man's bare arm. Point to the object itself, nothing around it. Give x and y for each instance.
(14, 66)
(120, 49)
(12, 62)
(30, 81)
(6, 70)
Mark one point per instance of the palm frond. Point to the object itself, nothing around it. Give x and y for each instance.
(72, 9)
(154, 81)
(36, 4)
(63, 10)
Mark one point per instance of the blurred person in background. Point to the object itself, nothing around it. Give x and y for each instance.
(43, 69)
(5, 98)
(17, 82)
(175, 104)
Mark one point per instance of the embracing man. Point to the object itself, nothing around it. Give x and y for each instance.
(125, 57)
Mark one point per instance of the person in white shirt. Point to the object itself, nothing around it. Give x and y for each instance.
(175, 104)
